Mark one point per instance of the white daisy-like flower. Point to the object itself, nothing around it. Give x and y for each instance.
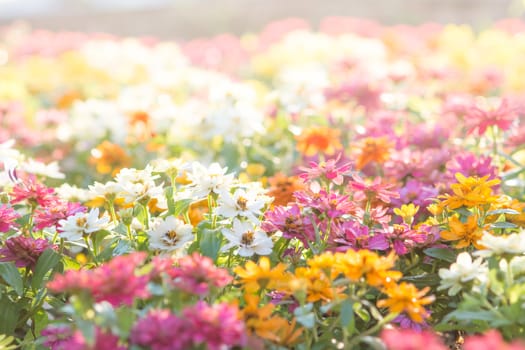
(80, 225)
(241, 203)
(73, 193)
(248, 239)
(50, 170)
(517, 264)
(513, 244)
(138, 185)
(207, 180)
(108, 190)
(171, 167)
(170, 234)
(463, 271)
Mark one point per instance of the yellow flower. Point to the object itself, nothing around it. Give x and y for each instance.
(314, 283)
(405, 297)
(323, 262)
(465, 233)
(470, 192)
(256, 277)
(366, 264)
(407, 212)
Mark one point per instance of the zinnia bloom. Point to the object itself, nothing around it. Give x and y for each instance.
(261, 276)
(24, 251)
(109, 158)
(375, 190)
(161, 330)
(115, 282)
(372, 150)
(405, 297)
(480, 119)
(282, 188)
(408, 339)
(318, 139)
(33, 192)
(7, 218)
(490, 341)
(469, 192)
(466, 234)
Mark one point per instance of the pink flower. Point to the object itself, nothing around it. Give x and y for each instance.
(329, 171)
(33, 192)
(417, 193)
(63, 338)
(195, 274)
(353, 235)
(24, 251)
(403, 239)
(114, 282)
(51, 215)
(331, 204)
(468, 164)
(217, 326)
(409, 339)
(7, 218)
(375, 190)
(481, 119)
(161, 330)
(291, 222)
(490, 341)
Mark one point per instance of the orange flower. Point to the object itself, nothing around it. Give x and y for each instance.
(140, 127)
(314, 283)
(470, 192)
(256, 277)
(508, 203)
(282, 188)
(405, 297)
(465, 233)
(197, 210)
(109, 158)
(373, 149)
(318, 139)
(366, 264)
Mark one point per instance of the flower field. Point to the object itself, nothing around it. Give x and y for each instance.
(349, 186)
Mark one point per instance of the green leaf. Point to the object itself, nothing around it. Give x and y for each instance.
(441, 254)
(9, 272)
(347, 312)
(125, 320)
(422, 280)
(46, 263)
(181, 206)
(503, 225)
(503, 211)
(210, 243)
(8, 316)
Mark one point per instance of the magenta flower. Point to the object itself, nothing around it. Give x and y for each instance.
(114, 282)
(353, 235)
(326, 170)
(417, 193)
(403, 239)
(216, 326)
(377, 215)
(63, 338)
(194, 274)
(50, 216)
(409, 339)
(24, 251)
(161, 330)
(469, 164)
(331, 204)
(7, 218)
(33, 192)
(289, 221)
(375, 190)
(405, 322)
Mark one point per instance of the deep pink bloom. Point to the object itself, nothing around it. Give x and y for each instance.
(375, 190)
(34, 192)
(50, 216)
(291, 222)
(7, 218)
(469, 164)
(161, 330)
(490, 341)
(64, 338)
(24, 251)
(377, 215)
(114, 282)
(502, 116)
(417, 193)
(194, 274)
(217, 326)
(331, 204)
(353, 235)
(409, 339)
(328, 170)
(403, 239)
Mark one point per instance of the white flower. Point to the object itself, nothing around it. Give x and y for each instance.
(107, 190)
(136, 185)
(498, 245)
(461, 272)
(51, 170)
(72, 193)
(171, 167)
(207, 180)
(77, 226)
(248, 239)
(517, 264)
(170, 234)
(241, 203)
